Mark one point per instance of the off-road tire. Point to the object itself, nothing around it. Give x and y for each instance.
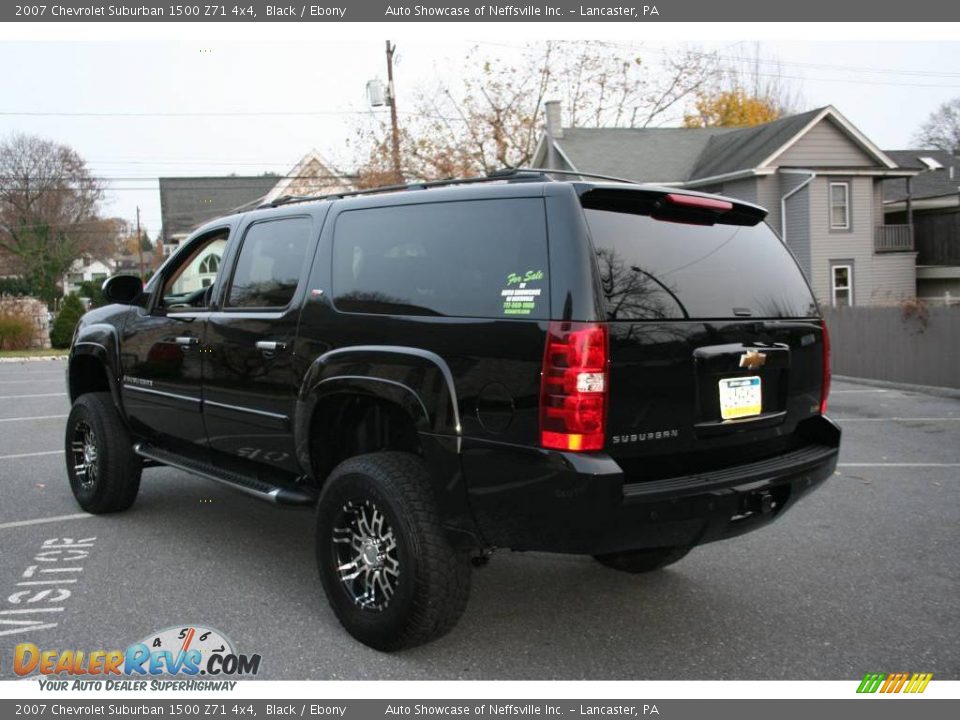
(117, 468)
(433, 584)
(641, 561)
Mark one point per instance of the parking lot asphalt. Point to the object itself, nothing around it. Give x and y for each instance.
(863, 575)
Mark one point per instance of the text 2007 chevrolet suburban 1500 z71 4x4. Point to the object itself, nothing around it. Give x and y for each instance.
(623, 371)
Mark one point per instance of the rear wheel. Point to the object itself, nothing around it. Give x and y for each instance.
(104, 472)
(641, 561)
(388, 570)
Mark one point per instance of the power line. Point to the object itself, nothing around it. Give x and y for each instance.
(214, 113)
(782, 63)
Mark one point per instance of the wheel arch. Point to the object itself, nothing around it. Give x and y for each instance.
(93, 364)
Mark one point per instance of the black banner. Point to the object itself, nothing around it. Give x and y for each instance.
(491, 11)
(325, 709)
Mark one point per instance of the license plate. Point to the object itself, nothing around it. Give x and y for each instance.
(740, 397)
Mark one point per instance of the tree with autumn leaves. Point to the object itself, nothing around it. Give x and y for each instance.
(492, 118)
(731, 108)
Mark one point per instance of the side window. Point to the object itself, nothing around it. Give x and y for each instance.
(185, 286)
(479, 258)
(271, 260)
(839, 206)
(842, 285)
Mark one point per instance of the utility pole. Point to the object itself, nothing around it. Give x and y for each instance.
(139, 243)
(394, 128)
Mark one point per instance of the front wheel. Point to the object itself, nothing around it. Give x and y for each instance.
(641, 561)
(388, 570)
(104, 472)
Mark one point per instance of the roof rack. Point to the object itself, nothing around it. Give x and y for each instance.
(576, 173)
(519, 174)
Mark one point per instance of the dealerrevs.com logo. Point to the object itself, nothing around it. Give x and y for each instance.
(187, 652)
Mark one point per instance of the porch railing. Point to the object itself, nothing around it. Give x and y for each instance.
(893, 238)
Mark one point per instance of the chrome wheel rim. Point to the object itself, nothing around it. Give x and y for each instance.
(84, 449)
(365, 554)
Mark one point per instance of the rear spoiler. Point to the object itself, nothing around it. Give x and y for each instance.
(673, 205)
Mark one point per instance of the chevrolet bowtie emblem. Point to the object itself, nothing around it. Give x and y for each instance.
(752, 359)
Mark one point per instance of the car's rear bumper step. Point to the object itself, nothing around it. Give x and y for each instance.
(256, 487)
(793, 463)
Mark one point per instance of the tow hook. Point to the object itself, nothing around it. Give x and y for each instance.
(761, 502)
(766, 503)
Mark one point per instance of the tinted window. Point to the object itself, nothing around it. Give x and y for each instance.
(271, 258)
(651, 269)
(484, 258)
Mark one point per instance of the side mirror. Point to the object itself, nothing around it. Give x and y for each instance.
(122, 289)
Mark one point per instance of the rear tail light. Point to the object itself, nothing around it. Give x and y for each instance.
(573, 387)
(825, 389)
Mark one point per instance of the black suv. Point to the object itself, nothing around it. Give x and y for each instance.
(617, 370)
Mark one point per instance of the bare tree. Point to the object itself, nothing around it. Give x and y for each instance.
(492, 118)
(48, 211)
(942, 128)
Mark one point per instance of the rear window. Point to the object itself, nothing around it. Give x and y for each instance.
(656, 270)
(480, 258)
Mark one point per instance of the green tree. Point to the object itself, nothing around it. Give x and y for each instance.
(49, 211)
(15, 286)
(70, 313)
(91, 289)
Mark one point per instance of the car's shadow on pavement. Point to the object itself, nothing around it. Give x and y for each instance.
(526, 609)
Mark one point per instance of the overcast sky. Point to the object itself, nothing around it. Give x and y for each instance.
(886, 89)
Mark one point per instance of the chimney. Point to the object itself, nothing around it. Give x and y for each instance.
(554, 123)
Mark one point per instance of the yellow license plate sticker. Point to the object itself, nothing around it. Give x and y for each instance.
(740, 397)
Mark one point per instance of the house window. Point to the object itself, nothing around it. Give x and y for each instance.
(210, 264)
(842, 285)
(839, 206)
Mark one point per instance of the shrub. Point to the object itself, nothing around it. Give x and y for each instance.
(91, 290)
(70, 313)
(16, 332)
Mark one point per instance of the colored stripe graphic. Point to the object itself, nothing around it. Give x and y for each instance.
(894, 682)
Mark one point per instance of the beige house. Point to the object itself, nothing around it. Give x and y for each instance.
(819, 177)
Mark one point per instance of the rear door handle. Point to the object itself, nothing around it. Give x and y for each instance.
(187, 340)
(270, 345)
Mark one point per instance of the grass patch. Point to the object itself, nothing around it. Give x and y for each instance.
(33, 353)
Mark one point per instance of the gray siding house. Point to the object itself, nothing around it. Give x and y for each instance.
(818, 176)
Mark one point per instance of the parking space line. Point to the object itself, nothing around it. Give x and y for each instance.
(834, 392)
(28, 455)
(41, 521)
(899, 419)
(901, 465)
(21, 397)
(34, 417)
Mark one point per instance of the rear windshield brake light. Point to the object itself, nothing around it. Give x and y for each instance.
(695, 201)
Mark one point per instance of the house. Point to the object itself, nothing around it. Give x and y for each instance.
(188, 202)
(86, 270)
(818, 176)
(931, 203)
